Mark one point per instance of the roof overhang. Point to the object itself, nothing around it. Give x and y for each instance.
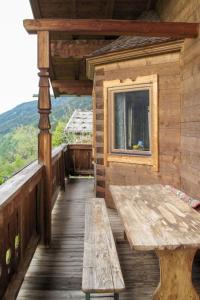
(78, 28)
(157, 49)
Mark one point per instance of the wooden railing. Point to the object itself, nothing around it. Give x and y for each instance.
(22, 210)
(58, 171)
(22, 218)
(80, 159)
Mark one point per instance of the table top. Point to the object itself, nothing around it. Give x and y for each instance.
(154, 218)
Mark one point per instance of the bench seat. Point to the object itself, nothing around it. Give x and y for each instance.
(101, 267)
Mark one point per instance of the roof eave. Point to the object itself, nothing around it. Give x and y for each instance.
(134, 53)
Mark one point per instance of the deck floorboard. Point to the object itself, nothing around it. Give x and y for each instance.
(56, 273)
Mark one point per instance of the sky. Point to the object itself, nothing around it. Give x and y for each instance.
(18, 55)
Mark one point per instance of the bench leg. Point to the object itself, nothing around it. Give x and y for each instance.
(116, 296)
(87, 296)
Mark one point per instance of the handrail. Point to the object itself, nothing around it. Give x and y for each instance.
(80, 146)
(22, 208)
(58, 150)
(22, 215)
(10, 188)
(21, 222)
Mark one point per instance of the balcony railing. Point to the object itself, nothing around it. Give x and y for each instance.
(22, 207)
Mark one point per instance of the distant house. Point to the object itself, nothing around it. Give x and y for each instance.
(80, 124)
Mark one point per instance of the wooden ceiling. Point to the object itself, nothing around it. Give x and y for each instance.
(68, 52)
(90, 9)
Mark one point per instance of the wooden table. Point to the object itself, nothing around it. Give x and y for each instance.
(154, 218)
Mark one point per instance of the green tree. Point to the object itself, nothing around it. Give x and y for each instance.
(17, 149)
(58, 134)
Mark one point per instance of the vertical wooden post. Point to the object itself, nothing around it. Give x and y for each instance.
(44, 137)
(62, 170)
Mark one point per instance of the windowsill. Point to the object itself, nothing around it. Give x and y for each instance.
(131, 153)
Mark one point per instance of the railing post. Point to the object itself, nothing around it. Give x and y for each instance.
(62, 170)
(44, 137)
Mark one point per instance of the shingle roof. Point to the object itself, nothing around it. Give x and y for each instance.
(80, 122)
(131, 42)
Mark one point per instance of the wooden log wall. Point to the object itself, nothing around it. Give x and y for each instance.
(98, 132)
(188, 11)
(167, 67)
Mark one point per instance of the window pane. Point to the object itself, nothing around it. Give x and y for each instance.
(131, 118)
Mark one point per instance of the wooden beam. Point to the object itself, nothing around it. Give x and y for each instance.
(76, 48)
(35, 6)
(73, 8)
(150, 4)
(114, 27)
(73, 87)
(109, 8)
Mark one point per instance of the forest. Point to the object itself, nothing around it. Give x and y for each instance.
(18, 132)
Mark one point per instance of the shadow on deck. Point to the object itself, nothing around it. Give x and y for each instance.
(56, 273)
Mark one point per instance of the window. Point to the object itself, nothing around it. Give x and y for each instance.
(131, 121)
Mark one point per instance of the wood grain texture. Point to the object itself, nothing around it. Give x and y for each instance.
(77, 87)
(80, 160)
(101, 268)
(113, 27)
(76, 48)
(130, 9)
(155, 218)
(43, 49)
(44, 136)
(175, 275)
(187, 11)
(169, 109)
(56, 273)
(20, 208)
(98, 130)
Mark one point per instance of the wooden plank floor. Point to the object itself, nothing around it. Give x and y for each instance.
(56, 273)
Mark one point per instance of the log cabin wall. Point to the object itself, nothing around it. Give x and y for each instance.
(188, 11)
(98, 105)
(167, 66)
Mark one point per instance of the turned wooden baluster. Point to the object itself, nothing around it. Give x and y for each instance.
(44, 137)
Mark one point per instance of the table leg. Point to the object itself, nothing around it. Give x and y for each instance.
(176, 275)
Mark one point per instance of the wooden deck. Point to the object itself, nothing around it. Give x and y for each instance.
(56, 273)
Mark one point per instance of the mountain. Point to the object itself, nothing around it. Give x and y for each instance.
(26, 113)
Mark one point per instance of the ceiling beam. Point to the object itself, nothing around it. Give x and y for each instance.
(76, 48)
(114, 27)
(35, 6)
(73, 87)
(109, 9)
(151, 4)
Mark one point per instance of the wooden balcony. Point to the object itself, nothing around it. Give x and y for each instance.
(22, 211)
(56, 272)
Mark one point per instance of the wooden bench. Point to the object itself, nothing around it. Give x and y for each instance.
(101, 268)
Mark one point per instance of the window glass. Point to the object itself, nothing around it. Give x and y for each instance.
(132, 121)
